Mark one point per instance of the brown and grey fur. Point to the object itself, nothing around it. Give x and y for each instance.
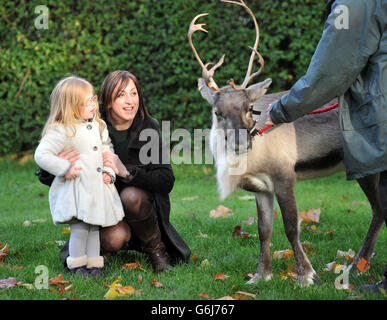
(308, 148)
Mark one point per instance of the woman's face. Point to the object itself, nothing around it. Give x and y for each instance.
(124, 108)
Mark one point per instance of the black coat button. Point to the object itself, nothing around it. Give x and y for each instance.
(99, 169)
(95, 148)
(89, 126)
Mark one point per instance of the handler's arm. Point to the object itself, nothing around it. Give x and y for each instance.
(339, 58)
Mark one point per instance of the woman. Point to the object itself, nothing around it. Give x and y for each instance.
(143, 187)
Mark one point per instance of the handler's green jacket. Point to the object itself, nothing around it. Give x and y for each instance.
(349, 63)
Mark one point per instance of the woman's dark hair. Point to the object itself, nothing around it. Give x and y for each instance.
(113, 85)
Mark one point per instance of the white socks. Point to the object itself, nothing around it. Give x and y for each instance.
(84, 246)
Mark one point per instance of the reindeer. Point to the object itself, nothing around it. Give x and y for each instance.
(308, 148)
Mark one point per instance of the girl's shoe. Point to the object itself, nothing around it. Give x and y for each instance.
(95, 272)
(82, 271)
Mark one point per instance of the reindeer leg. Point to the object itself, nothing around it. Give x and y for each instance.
(284, 190)
(265, 212)
(370, 187)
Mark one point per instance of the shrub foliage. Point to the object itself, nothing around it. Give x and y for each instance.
(148, 38)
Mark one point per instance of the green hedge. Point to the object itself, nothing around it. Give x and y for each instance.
(148, 38)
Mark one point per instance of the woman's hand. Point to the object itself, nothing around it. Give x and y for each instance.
(71, 155)
(111, 160)
(107, 179)
(72, 173)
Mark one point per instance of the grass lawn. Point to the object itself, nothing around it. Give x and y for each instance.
(343, 206)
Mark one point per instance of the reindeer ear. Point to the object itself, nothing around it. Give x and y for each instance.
(258, 90)
(206, 92)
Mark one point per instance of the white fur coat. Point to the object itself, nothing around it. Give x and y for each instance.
(87, 197)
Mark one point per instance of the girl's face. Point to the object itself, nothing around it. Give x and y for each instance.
(90, 106)
(124, 108)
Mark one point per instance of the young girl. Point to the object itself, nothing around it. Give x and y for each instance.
(82, 194)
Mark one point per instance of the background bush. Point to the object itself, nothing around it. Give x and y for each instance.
(148, 38)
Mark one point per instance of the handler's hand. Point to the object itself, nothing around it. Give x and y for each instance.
(268, 121)
(72, 173)
(71, 155)
(107, 179)
(111, 160)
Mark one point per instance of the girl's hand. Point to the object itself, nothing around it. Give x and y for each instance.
(71, 155)
(111, 160)
(107, 179)
(72, 173)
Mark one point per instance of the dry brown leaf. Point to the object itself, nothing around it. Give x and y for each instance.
(133, 266)
(283, 254)
(241, 295)
(157, 284)
(4, 251)
(56, 281)
(220, 212)
(8, 283)
(363, 265)
(313, 215)
(226, 298)
(221, 276)
(202, 235)
(350, 255)
(238, 232)
(118, 290)
(289, 275)
(204, 295)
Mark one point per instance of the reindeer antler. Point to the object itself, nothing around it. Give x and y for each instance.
(207, 74)
(249, 76)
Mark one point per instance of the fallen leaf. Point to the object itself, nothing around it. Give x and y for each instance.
(66, 230)
(313, 215)
(205, 263)
(220, 212)
(249, 221)
(8, 283)
(226, 298)
(283, 254)
(238, 232)
(240, 295)
(4, 251)
(202, 235)
(221, 276)
(117, 290)
(289, 275)
(204, 295)
(58, 281)
(195, 258)
(333, 266)
(190, 198)
(363, 265)
(157, 284)
(133, 266)
(349, 255)
(330, 233)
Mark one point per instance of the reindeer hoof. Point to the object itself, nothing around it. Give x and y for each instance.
(258, 276)
(308, 279)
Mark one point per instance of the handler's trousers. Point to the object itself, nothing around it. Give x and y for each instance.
(383, 200)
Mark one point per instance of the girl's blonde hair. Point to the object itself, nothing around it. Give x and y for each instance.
(67, 100)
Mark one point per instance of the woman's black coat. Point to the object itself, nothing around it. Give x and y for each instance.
(155, 177)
